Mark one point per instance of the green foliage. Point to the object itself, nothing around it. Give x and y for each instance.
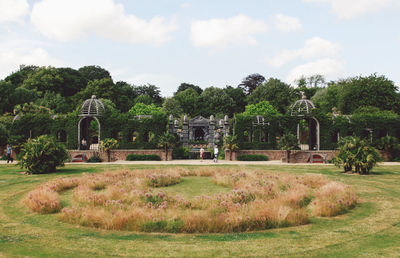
(143, 109)
(42, 155)
(251, 82)
(172, 107)
(189, 101)
(252, 157)
(135, 157)
(390, 145)
(4, 134)
(231, 144)
(145, 99)
(262, 108)
(184, 86)
(180, 152)
(356, 153)
(215, 101)
(108, 144)
(288, 142)
(94, 159)
(279, 94)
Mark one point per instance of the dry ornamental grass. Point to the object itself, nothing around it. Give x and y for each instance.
(133, 200)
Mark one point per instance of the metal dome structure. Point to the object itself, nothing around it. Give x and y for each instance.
(302, 107)
(92, 107)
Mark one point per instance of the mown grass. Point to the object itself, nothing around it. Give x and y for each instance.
(371, 229)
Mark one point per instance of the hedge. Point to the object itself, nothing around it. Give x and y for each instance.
(252, 157)
(94, 159)
(133, 157)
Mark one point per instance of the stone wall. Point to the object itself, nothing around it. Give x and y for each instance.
(119, 154)
(295, 156)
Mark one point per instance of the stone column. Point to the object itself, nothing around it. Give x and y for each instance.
(171, 124)
(211, 128)
(226, 126)
(185, 131)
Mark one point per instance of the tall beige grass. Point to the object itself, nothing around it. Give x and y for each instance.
(133, 200)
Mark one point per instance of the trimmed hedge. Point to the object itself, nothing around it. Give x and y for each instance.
(94, 159)
(133, 157)
(252, 157)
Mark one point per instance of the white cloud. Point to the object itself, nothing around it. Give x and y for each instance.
(218, 33)
(13, 10)
(72, 19)
(287, 23)
(326, 67)
(314, 48)
(12, 58)
(185, 5)
(348, 9)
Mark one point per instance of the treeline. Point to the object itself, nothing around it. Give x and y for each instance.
(62, 90)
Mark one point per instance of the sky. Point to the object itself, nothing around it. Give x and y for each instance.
(204, 42)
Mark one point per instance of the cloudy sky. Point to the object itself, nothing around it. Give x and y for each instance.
(204, 42)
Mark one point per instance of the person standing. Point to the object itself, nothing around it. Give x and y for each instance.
(9, 153)
(215, 154)
(84, 144)
(201, 153)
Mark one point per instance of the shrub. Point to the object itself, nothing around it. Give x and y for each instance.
(252, 157)
(133, 157)
(94, 159)
(356, 153)
(43, 155)
(180, 153)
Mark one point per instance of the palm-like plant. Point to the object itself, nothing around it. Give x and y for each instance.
(388, 144)
(357, 153)
(166, 141)
(288, 142)
(107, 145)
(230, 143)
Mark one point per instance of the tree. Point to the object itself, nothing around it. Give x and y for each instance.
(262, 108)
(107, 145)
(42, 155)
(230, 143)
(250, 83)
(279, 94)
(151, 90)
(143, 109)
(215, 101)
(189, 101)
(94, 72)
(55, 102)
(373, 90)
(184, 86)
(172, 107)
(310, 85)
(288, 142)
(21, 75)
(72, 81)
(44, 79)
(166, 141)
(145, 99)
(239, 100)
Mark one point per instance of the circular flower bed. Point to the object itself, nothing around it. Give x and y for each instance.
(132, 200)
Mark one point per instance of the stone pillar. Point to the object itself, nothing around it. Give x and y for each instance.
(211, 128)
(226, 126)
(185, 131)
(171, 124)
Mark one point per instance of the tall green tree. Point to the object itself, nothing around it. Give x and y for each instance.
(185, 86)
(151, 90)
(215, 101)
(251, 82)
(279, 94)
(239, 100)
(94, 72)
(189, 101)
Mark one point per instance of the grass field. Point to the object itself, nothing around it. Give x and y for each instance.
(371, 229)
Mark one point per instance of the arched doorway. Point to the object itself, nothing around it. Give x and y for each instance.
(308, 134)
(199, 134)
(89, 128)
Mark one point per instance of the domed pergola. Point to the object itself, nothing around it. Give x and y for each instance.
(91, 109)
(303, 109)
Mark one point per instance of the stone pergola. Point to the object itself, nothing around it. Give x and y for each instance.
(200, 129)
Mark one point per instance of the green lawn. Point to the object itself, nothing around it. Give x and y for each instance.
(371, 229)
